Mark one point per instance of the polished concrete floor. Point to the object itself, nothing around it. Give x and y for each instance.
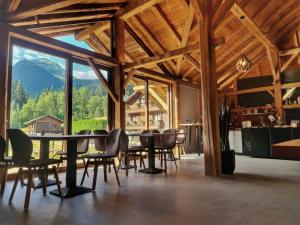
(261, 192)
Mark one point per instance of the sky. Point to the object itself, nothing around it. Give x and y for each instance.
(80, 71)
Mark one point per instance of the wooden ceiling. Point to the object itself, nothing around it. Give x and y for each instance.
(168, 29)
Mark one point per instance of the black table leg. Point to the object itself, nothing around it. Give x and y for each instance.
(151, 158)
(71, 188)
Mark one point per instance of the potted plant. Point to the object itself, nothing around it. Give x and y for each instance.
(227, 154)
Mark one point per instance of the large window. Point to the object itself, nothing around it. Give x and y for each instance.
(147, 105)
(89, 108)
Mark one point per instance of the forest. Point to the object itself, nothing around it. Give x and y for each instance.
(89, 106)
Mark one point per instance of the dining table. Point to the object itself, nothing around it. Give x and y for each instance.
(71, 189)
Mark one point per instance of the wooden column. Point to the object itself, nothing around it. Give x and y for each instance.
(118, 51)
(68, 96)
(146, 91)
(274, 60)
(211, 136)
(4, 58)
(176, 104)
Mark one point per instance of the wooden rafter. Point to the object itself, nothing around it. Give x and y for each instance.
(162, 58)
(103, 80)
(185, 35)
(12, 5)
(98, 27)
(222, 11)
(135, 7)
(251, 26)
(192, 61)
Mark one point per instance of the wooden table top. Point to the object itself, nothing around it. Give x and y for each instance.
(292, 143)
(65, 137)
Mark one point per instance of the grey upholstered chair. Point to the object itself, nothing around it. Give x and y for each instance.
(100, 143)
(21, 157)
(168, 144)
(117, 140)
(180, 141)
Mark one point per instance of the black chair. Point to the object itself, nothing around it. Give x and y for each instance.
(82, 147)
(134, 152)
(5, 163)
(21, 157)
(180, 141)
(117, 140)
(100, 143)
(168, 144)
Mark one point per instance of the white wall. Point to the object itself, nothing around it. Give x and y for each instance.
(189, 104)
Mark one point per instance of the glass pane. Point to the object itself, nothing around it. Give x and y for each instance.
(70, 39)
(89, 100)
(37, 94)
(135, 105)
(158, 106)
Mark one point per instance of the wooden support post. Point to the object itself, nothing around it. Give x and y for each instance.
(69, 94)
(4, 58)
(211, 136)
(146, 91)
(176, 104)
(274, 59)
(118, 51)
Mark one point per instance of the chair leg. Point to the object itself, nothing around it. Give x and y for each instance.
(116, 172)
(3, 180)
(22, 180)
(85, 171)
(161, 159)
(178, 152)
(134, 160)
(44, 177)
(165, 160)
(19, 174)
(28, 190)
(95, 177)
(174, 159)
(84, 163)
(127, 159)
(57, 182)
(105, 170)
(142, 161)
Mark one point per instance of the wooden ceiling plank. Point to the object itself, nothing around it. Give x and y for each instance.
(252, 27)
(98, 27)
(222, 12)
(162, 58)
(193, 62)
(135, 7)
(185, 35)
(12, 5)
(166, 23)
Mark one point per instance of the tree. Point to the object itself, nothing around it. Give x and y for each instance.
(19, 95)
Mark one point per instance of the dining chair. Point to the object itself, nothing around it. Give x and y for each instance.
(22, 148)
(134, 152)
(117, 140)
(100, 143)
(180, 141)
(82, 147)
(5, 163)
(168, 144)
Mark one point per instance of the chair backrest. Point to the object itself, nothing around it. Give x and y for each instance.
(2, 148)
(100, 143)
(169, 141)
(83, 144)
(21, 147)
(180, 137)
(157, 139)
(144, 140)
(117, 140)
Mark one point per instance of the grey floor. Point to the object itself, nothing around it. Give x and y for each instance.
(261, 192)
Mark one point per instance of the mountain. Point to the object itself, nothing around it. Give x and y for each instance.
(42, 74)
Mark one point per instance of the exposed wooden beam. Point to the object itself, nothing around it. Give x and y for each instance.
(12, 5)
(197, 9)
(251, 26)
(98, 27)
(141, 43)
(60, 18)
(222, 11)
(290, 85)
(289, 51)
(57, 45)
(162, 58)
(274, 59)
(251, 90)
(103, 80)
(192, 61)
(154, 74)
(161, 16)
(129, 78)
(135, 7)
(185, 35)
(288, 62)
(93, 7)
